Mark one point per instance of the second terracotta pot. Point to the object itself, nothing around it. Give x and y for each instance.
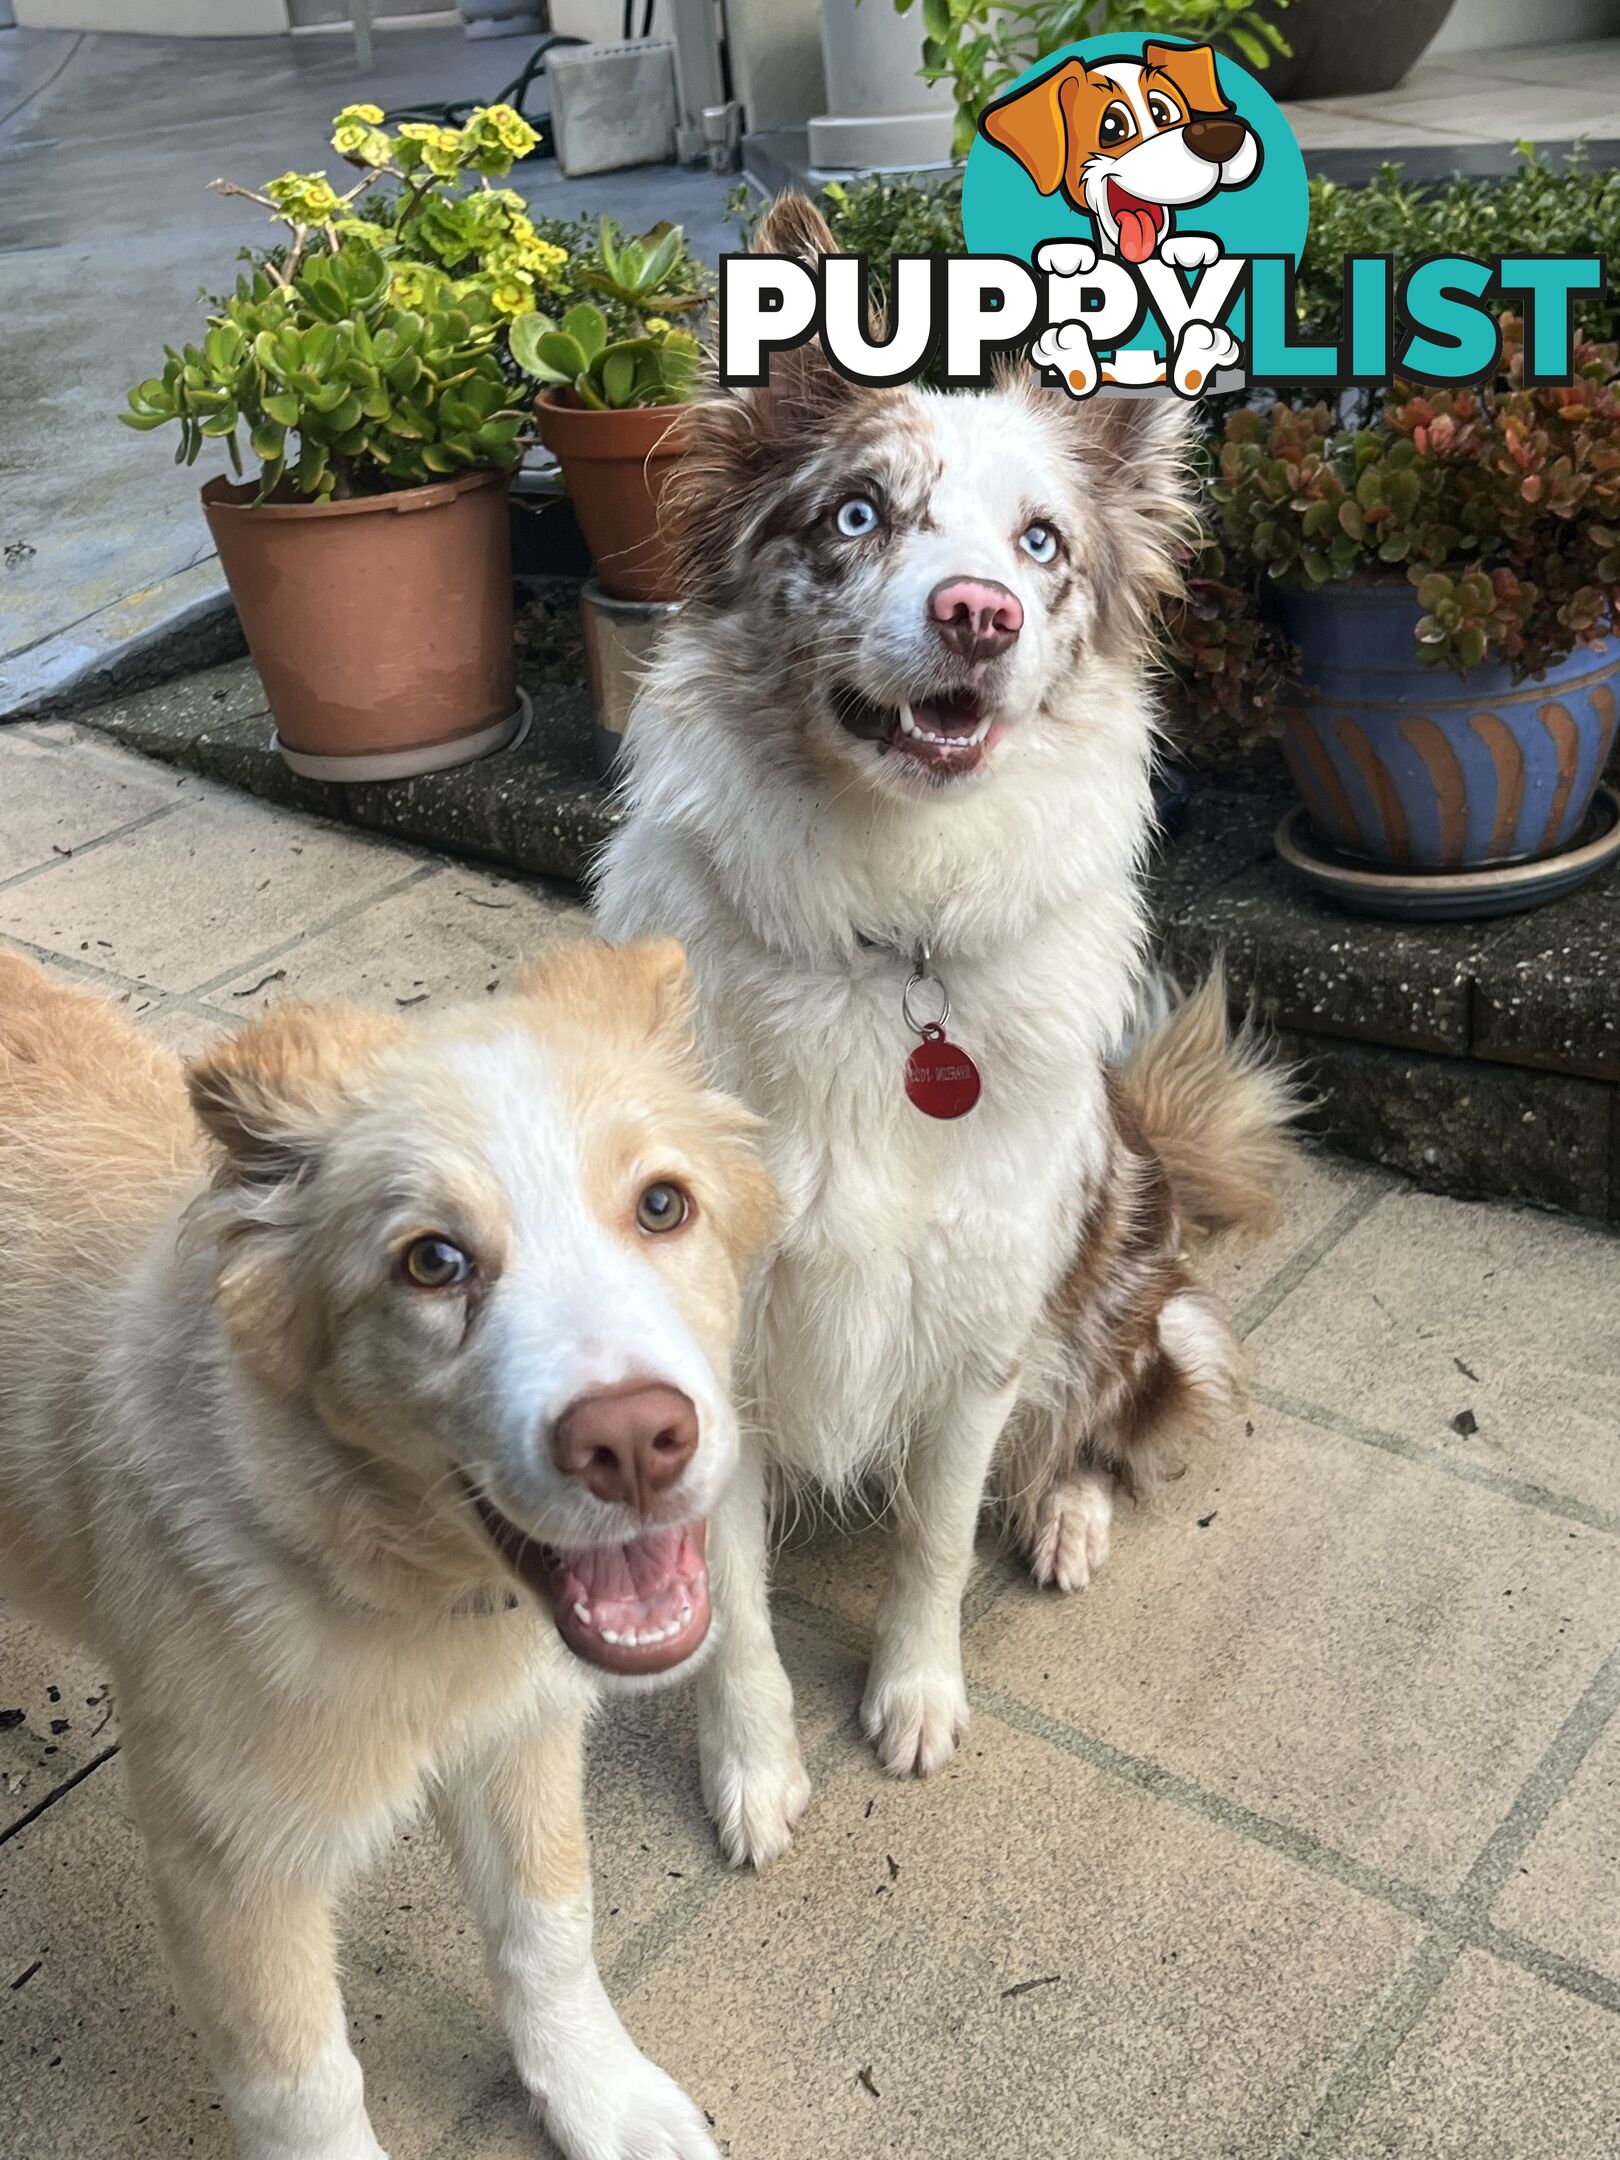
(615, 465)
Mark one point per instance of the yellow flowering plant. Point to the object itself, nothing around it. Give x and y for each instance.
(364, 349)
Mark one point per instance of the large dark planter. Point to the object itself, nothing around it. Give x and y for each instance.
(1351, 48)
(1410, 767)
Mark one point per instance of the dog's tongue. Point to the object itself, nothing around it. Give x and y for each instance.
(1138, 229)
(639, 1607)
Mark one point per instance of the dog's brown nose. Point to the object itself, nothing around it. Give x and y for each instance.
(1215, 140)
(626, 1444)
(975, 617)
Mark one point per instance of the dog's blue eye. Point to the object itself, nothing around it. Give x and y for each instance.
(433, 1263)
(1039, 542)
(857, 517)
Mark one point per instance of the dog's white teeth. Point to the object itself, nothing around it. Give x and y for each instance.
(908, 724)
(685, 1618)
(980, 732)
(608, 1635)
(582, 1613)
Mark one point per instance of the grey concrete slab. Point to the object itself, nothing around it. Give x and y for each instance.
(1361, 1647)
(1432, 1310)
(1502, 2067)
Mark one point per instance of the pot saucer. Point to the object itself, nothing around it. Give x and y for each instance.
(409, 764)
(1451, 895)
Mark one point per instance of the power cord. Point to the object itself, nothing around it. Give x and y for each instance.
(460, 110)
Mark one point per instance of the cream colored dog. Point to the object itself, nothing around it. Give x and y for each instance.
(360, 1412)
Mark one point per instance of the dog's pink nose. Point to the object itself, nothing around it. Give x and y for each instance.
(975, 617)
(626, 1444)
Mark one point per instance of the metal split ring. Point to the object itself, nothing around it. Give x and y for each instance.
(922, 972)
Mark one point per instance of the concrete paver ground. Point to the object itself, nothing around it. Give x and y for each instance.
(1297, 1834)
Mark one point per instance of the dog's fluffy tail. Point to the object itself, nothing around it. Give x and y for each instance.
(1216, 1107)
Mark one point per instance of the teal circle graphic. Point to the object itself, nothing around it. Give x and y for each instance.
(1005, 213)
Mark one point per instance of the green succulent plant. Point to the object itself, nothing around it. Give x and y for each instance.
(340, 389)
(657, 367)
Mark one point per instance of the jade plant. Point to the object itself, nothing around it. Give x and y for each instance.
(1500, 504)
(363, 349)
(624, 351)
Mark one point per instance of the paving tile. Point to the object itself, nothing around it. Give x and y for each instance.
(1193, 1990)
(181, 901)
(1424, 1287)
(457, 935)
(55, 800)
(186, 1033)
(56, 1714)
(1501, 2067)
(1347, 1642)
(1324, 126)
(1564, 1893)
(1322, 1193)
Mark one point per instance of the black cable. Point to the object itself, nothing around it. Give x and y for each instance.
(516, 91)
(627, 28)
(646, 18)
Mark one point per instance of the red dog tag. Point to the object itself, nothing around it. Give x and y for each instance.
(941, 1079)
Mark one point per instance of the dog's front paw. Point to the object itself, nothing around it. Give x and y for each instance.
(1203, 348)
(622, 2107)
(1071, 1533)
(1190, 251)
(1067, 347)
(915, 1719)
(1066, 258)
(756, 1801)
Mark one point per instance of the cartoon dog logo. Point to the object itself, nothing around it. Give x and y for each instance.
(1129, 142)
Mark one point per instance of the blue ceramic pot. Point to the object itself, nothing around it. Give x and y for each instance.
(1414, 767)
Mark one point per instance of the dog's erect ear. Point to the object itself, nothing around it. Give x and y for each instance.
(793, 226)
(1032, 125)
(275, 1092)
(1192, 69)
(1134, 452)
(641, 992)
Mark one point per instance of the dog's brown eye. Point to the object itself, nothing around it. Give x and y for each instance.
(433, 1263)
(1163, 112)
(1115, 125)
(662, 1206)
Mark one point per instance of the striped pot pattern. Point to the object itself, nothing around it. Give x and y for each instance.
(1414, 767)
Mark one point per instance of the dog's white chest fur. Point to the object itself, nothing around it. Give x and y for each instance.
(914, 1248)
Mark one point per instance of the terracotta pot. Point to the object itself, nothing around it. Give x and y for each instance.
(615, 465)
(382, 626)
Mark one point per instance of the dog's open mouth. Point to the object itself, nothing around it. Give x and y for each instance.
(1140, 223)
(639, 1607)
(943, 736)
